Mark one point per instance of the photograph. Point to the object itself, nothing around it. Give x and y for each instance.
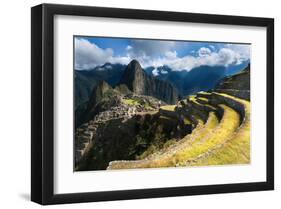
(130, 103)
(149, 103)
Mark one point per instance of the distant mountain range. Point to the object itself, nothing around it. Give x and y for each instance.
(86, 80)
(149, 79)
(134, 81)
(198, 79)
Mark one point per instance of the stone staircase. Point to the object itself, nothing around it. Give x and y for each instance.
(83, 139)
(85, 134)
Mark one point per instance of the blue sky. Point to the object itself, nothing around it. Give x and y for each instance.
(178, 55)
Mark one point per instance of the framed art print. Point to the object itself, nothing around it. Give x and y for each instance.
(131, 104)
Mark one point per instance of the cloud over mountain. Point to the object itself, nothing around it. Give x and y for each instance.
(159, 53)
(88, 55)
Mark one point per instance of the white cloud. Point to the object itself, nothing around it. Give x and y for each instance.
(122, 60)
(243, 52)
(156, 54)
(171, 55)
(108, 67)
(88, 55)
(204, 51)
(224, 57)
(129, 47)
(155, 72)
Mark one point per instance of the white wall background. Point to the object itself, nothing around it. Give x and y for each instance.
(15, 103)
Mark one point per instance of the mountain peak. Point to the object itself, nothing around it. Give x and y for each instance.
(133, 76)
(134, 63)
(98, 92)
(134, 66)
(137, 81)
(103, 86)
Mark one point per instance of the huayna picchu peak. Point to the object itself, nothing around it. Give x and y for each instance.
(137, 81)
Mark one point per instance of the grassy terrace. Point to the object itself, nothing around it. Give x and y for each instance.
(216, 136)
(168, 107)
(131, 102)
(165, 157)
(212, 143)
(202, 98)
(195, 101)
(236, 150)
(191, 98)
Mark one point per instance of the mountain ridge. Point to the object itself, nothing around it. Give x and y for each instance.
(137, 81)
(183, 81)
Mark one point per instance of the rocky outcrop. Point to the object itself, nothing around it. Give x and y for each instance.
(102, 98)
(98, 93)
(237, 85)
(123, 126)
(123, 89)
(123, 133)
(137, 81)
(134, 81)
(91, 134)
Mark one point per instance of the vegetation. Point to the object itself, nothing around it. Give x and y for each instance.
(109, 94)
(215, 136)
(168, 107)
(213, 143)
(120, 119)
(203, 99)
(237, 148)
(204, 92)
(191, 98)
(187, 121)
(131, 102)
(162, 158)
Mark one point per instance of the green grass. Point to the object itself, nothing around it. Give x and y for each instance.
(203, 99)
(131, 102)
(236, 150)
(164, 117)
(216, 136)
(147, 106)
(191, 98)
(165, 157)
(204, 92)
(187, 121)
(135, 102)
(212, 143)
(168, 107)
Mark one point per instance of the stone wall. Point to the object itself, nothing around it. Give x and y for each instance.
(217, 99)
(242, 94)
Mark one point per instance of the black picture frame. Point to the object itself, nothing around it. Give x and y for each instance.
(42, 103)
